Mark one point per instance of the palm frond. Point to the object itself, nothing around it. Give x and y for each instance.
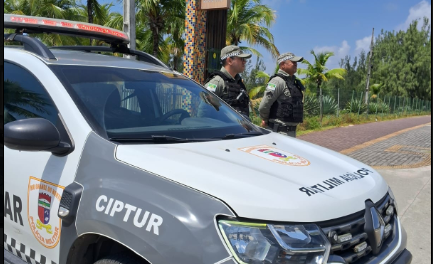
(251, 50)
(256, 90)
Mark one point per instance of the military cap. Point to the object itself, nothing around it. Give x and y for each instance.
(233, 51)
(288, 56)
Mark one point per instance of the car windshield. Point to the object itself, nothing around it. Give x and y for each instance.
(133, 104)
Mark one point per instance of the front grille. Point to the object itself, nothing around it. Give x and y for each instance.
(355, 227)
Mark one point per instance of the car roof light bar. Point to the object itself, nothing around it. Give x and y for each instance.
(30, 24)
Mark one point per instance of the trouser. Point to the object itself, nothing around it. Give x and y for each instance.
(283, 129)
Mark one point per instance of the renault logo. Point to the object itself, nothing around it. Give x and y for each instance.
(374, 227)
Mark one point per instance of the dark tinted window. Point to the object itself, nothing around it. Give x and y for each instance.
(25, 97)
(132, 103)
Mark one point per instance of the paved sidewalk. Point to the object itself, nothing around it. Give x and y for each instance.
(412, 188)
(410, 148)
(342, 138)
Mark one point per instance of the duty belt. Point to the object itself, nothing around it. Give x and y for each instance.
(276, 127)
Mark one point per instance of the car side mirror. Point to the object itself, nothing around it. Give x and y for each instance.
(34, 134)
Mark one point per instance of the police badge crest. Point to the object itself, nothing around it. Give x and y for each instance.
(43, 200)
(44, 206)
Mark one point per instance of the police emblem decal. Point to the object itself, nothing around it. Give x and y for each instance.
(43, 199)
(276, 155)
(44, 206)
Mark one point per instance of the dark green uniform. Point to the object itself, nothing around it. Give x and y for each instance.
(231, 90)
(281, 106)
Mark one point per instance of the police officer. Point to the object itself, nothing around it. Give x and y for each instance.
(227, 83)
(281, 108)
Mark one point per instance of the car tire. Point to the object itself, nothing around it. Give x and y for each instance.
(122, 258)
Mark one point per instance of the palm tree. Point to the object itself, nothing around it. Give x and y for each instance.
(63, 9)
(101, 15)
(94, 12)
(317, 73)
(245, 22)
(158, 17)
(261, 88)
(42, 8)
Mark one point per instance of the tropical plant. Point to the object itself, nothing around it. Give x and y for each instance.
(375, 88)
(101, 16)
(311, 105)
(255, 103)
(317, 73)
(94, 11)
(384, 108)
(42, 8)
(329, 105)
(160, 17)
(174, 45)
(249, 21)
(356, 106)
(62, 9)
(260, 89)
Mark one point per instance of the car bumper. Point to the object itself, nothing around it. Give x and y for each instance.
(404, 258)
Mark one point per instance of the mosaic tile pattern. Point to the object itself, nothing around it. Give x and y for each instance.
(187, 101)
(195, 42)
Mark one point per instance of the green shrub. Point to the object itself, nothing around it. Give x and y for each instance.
(355, 106)
(381, 107)
(311, 105)
(311, 123)
(329, 105)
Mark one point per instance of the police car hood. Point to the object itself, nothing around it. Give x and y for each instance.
(269, 177)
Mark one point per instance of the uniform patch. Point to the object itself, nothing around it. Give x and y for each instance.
(43, 199)
(271, 87)
(211, 87)
(276, 155)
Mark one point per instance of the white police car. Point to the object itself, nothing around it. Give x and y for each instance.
(113, 160)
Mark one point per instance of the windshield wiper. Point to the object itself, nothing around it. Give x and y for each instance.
(160, 139)
(242, 135)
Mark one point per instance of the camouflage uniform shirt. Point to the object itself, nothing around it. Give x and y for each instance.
(275, 90)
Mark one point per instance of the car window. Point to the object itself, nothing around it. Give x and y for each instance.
(25, 97)
(132, 103)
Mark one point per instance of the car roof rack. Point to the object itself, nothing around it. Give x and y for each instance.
(31, 44)
(119, 48)
(117, 39)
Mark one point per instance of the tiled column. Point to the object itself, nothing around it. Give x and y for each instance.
(195, 41)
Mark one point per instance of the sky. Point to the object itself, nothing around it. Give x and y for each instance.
(341, 26)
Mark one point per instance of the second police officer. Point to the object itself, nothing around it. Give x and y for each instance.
(227, 83)
(281, 108)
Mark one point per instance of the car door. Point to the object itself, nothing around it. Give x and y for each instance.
(34, 181)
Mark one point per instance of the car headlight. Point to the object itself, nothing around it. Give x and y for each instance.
(256, 243)
(393, 200)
